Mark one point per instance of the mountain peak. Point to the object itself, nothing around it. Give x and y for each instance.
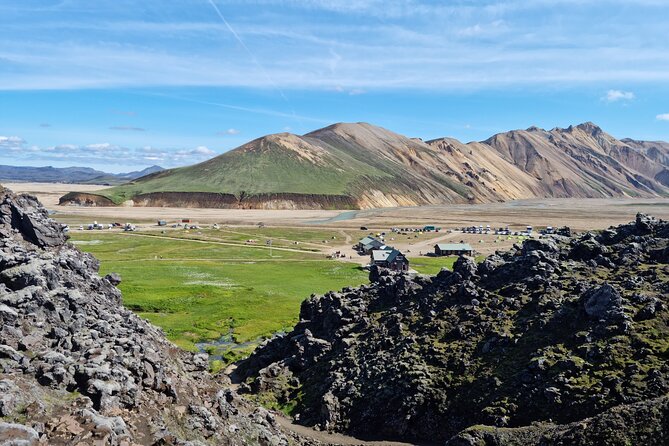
(345, 127)
(589, 127)
(363, 133)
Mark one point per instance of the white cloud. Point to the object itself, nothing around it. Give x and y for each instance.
(201, 150)
(483, 30)
(100, 147)
(102, 153)
(11, 142)
(663, 117)
(618, 95)
(228, 132)
(349, 91)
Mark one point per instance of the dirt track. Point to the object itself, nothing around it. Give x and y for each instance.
(333, 439)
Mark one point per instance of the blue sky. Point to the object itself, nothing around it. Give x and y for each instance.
(120, 85)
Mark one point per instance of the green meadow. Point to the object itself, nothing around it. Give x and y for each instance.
(303, 239)
(199, 290)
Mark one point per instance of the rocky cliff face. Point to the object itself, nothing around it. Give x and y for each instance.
(77, 368)
(560, 341)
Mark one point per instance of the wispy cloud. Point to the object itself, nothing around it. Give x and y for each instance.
(259, 111)
(349, 91)
(125, 128)
(493, 28)
(663, 117)
(618, 95)
(228, 132)
(415, 44)
(45, 125)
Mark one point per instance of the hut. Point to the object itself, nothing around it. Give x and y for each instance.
(450, 249)
(391, 259)
(368, 244)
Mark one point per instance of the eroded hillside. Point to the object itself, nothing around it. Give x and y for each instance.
(346, 166)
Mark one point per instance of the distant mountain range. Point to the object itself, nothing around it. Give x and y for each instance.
(364, 166)
(77, 175)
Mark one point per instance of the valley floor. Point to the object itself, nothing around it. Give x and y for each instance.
(579, 214)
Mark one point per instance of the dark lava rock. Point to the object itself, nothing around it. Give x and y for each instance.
(113, 278)
(525, 348)
(604, 302)
(466, 267)
(24, 214)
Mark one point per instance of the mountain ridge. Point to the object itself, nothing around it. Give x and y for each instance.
(367, 166)
(73, 174)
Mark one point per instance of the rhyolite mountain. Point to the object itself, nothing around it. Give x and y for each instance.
(364, 166)
(74, 175)
(562, 340)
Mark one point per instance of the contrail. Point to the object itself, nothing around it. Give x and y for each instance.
(254, 59)
(260, 111)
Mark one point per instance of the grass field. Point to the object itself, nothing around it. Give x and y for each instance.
(304, 239)
(201, 291)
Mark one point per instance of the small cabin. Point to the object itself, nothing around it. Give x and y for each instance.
(391, 259)
(368, 244)
(453, 249)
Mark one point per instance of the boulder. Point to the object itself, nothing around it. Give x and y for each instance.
(545, 245)
(465, 266)
(587, 249)
(644, 223)
(603, 303)
(113, 278)
(13, 434)
(24, 214)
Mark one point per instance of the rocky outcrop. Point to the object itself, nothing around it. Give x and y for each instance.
(220, 201)
(78, 368)
(561, 340)
(643, 423)
(84, 199)
(25, 217)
